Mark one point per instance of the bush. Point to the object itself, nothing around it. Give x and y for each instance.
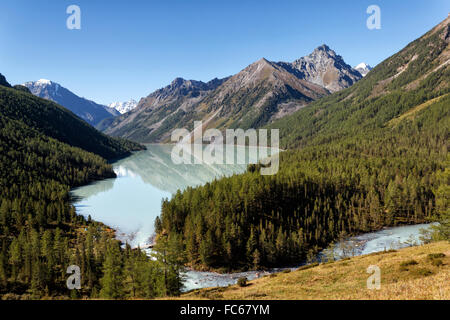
(242, 282)
(433, 256)
(437, 262)
(422, 272)
(287, 271)
(408, 263)
(308, 266)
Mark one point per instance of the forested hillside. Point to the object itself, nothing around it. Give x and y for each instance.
(40, 233)
(59, 123)
(416, 74)
(370, 156)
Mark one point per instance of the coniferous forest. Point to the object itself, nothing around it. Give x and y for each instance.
(40, 233)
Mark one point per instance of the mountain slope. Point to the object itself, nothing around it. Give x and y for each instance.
(59, 123)
(161, 111)
(419, 72)
(87, 110)
(259, 94)
(40, 232)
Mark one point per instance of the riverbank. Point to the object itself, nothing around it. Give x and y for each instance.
(347, 279)
(385, 239)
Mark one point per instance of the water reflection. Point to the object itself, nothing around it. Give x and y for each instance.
(131, 202)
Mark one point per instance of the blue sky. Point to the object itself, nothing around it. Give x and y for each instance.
(127, 49)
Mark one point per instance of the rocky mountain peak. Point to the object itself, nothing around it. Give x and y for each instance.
(177, 82)
(325, 68)
(324, 48)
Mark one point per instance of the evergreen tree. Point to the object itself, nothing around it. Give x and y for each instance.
(112, 282)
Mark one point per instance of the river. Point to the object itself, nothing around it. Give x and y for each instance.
(131, 202)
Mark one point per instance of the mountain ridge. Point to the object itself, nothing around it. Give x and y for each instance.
(390, 89)
(87, 110)
(259, 94)
(57, 122)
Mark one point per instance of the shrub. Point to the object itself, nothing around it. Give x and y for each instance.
(287, 271)
(408, 263)
(403, 268)
(433, 256)
(437, 262)
(257, 295)
(242, 282)
(422, 272)
(308, 266)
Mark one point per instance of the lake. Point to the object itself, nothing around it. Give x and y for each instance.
(131, 202)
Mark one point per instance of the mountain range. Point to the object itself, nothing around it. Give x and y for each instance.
(259, 94)
(86, 109)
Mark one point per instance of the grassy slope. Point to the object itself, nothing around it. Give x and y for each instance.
(346, 279)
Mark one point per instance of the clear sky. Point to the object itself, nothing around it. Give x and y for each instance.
(127, 49)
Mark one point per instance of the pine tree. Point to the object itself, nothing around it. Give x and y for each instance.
(112, 282)
(256, 259)
(443, 204)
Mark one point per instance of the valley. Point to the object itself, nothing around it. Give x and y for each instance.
(346, 172)
(364, 167)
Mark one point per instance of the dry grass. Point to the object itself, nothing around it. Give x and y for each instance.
(348, 279)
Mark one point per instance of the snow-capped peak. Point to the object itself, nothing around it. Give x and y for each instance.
(40, 83)
(363, 68)
(124, 107)
(362, 65)
(44, 82)
(44, 88)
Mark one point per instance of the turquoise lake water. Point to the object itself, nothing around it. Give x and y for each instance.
(131, 202)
